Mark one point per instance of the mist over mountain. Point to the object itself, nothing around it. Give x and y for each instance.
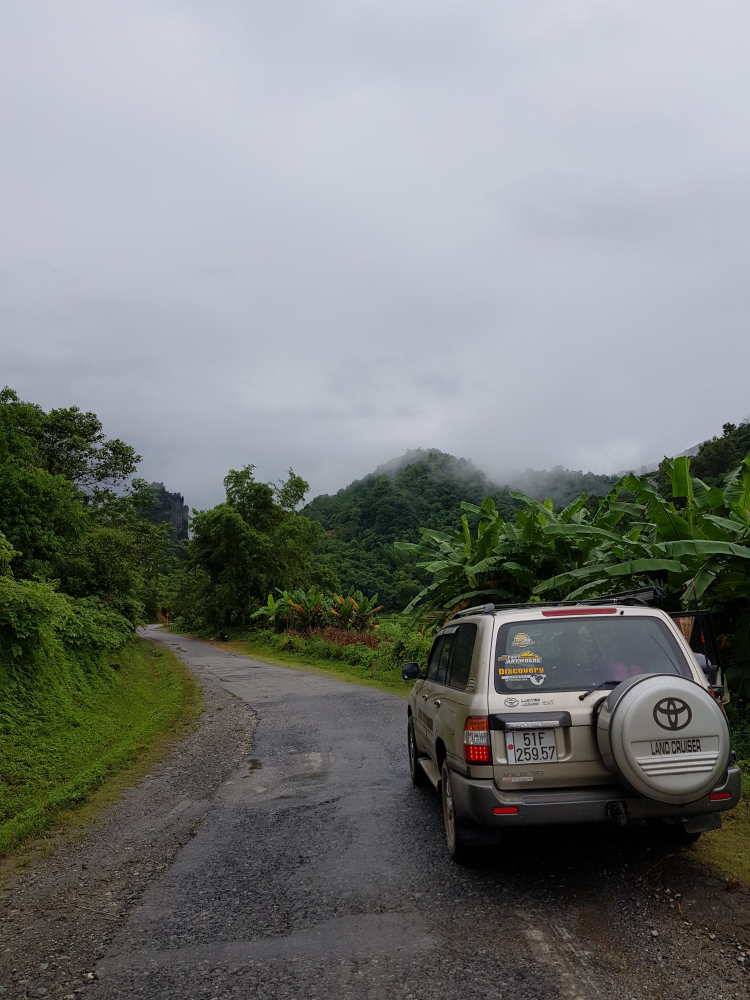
(425, 488)
(422, 488)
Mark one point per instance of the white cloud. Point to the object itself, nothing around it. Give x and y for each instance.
(320, 234)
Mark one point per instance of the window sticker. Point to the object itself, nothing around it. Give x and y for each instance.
(523, 671)
(526, 658)
(521, 639)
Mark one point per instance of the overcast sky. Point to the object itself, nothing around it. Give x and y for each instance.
(318, 233)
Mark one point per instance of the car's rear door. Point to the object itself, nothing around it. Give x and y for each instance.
(423, 720)
(434, 691)
(455, 697)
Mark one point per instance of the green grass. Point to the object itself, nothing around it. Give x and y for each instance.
(352, 673)
(82, 720)
(729, 848)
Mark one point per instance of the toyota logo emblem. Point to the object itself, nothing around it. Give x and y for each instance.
(672, 713)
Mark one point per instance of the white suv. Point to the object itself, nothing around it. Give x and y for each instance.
(589, 713)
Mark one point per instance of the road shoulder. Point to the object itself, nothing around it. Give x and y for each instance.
(58, 914)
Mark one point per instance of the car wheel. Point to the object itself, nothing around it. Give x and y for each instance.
(418, 777)
(456, 848)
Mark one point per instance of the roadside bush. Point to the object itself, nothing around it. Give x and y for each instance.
(740, 728)
(90, 626)
(391, 646)
(30, 615)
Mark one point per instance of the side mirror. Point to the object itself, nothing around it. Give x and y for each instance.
(410, 671)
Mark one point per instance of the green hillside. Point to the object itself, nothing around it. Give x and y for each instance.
(424, 488)
(420, 489)
(561, 485)
(719, 455)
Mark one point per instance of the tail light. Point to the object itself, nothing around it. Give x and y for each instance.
(718, 796)
(477, 740)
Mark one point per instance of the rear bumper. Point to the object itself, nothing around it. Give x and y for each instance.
(477, 799)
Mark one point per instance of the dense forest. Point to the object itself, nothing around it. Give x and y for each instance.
(361, 522)
(80, 568)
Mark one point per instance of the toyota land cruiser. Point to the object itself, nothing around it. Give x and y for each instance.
(590, 713)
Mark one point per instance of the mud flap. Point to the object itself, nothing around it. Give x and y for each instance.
(702, 824)
(472, 834)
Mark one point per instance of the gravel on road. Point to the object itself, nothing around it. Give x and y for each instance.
(298, 861)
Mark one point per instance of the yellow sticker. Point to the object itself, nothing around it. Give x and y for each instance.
(521, 639)
(505, 671)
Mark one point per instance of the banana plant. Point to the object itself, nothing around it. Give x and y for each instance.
(305, 610)
(698, 543)
(355, 612)
(297, 609)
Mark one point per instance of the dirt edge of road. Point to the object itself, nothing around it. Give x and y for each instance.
(58, 909)
(123, 762)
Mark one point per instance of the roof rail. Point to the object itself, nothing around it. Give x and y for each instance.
(644, 596)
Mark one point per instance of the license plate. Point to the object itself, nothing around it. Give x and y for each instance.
(531, 746)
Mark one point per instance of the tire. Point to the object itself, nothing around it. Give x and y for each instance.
(456, 848)
(418, 777)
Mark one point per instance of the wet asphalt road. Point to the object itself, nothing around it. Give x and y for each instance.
(318, 871)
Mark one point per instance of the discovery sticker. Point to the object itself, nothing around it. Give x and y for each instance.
(522, 673)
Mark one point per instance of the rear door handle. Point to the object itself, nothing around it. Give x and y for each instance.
(425, 697)
(438, 703)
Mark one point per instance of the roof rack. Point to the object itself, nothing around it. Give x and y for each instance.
(644, 596)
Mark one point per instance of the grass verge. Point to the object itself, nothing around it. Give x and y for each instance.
(56, 751)
(352, 673)
(729, 848)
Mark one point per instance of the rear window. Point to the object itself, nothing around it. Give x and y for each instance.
(579, 653)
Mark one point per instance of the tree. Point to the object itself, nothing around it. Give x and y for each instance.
(69, 508)
(249, 546)
(718, 456)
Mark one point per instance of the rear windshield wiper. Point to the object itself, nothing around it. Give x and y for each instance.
(604, 684)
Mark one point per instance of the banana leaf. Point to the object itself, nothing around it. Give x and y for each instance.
(580, 530)
(682, 484)
(703, 547)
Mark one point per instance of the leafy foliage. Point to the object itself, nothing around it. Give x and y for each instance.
(74, 548)
(253, 544)
(362, 521)
(696, 543)
(717, 456)
(306, 611)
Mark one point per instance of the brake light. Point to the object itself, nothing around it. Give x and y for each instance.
(559, 612)
(477, 740)
(505, 810)
(718, 796)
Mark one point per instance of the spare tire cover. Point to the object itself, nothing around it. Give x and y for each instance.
(665, 737)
